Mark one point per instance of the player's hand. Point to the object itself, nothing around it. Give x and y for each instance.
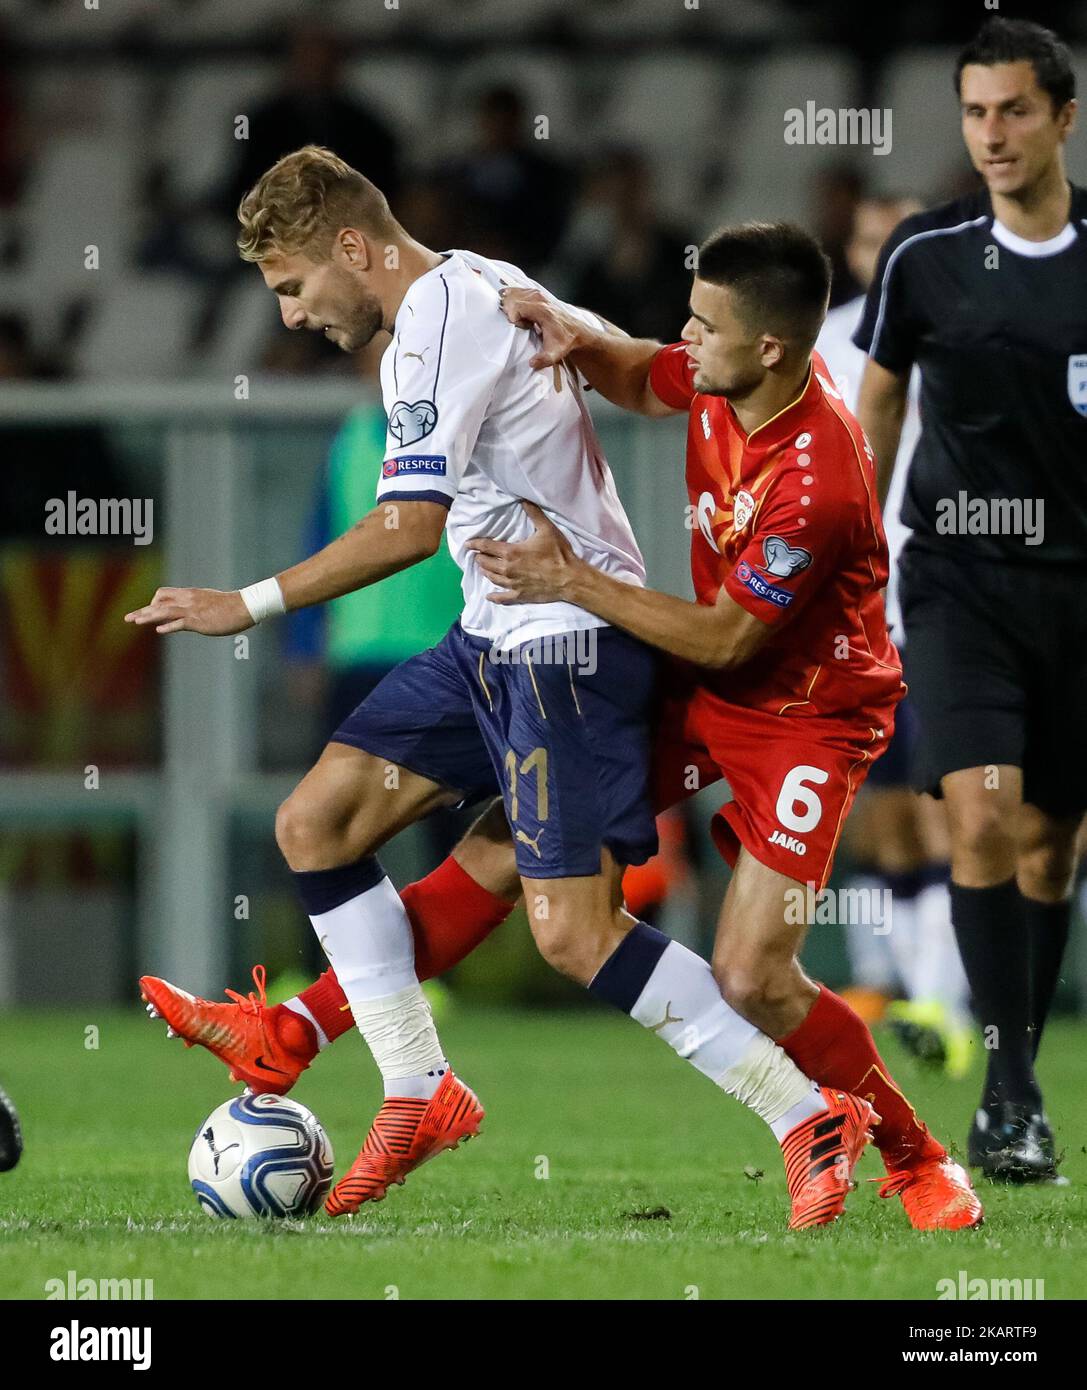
(559, 332)
(538, 570)
(214, 612)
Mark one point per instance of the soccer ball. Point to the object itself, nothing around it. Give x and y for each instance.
(260, 1156)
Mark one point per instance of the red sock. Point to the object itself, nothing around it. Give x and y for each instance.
(328, 1004)
(450, 914)
(834, 1047)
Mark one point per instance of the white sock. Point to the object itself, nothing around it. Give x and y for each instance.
(871, 963)
(938, 970)
(369, 942)
(682, 1004)
(297, 1007)
(902, 939)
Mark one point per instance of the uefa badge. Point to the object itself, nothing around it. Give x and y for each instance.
(1077, 383)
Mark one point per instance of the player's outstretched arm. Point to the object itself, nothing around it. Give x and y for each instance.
(392, 537)
(613, 364)
(881, 410)
(545, 568)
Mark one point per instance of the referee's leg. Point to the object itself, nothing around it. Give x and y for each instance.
(1012, 868)
(1046, 873)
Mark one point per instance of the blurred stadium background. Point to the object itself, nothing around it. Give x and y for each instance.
(590, 142)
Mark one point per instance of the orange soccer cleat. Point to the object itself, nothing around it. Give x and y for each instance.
(407, 1132)
(820, 1155)
(267, 1047)
(937, 1194)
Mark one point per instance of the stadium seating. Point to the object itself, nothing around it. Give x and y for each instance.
(770, 179)
(918, 88)
(194, 137)
(243, 325)
(546, 79)
(686, 139)
(404, 91)
(212, 22)
(1077, 147)
(141, 331)
(660, 78)
(75, 171)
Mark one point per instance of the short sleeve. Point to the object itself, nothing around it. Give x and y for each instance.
(437, 392)
(671, 376)
(794, 546)
(888, 330)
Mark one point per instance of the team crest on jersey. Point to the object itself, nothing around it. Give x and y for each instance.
(743, 509)
(1077, 383)
(782, 559)
(408, 423)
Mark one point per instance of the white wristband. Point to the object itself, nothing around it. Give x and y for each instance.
(263, 599)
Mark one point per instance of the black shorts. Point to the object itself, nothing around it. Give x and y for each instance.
(996, 664)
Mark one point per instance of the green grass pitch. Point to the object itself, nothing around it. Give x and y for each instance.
(591, 1124)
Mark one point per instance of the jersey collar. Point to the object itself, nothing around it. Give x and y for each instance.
(1022, 247)
(1077, 218)
(406, 312)
(778, 428)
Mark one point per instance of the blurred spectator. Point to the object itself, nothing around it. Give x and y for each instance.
(427, 208)
(47, 460)
(620, 258)
(835, 193)
(11, 132)
(313, 107)
(512, 200)
(17, 359)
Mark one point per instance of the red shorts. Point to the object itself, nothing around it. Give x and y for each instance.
(792, 780)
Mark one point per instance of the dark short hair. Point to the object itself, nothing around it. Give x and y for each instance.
(1022, 41)
(778, 273)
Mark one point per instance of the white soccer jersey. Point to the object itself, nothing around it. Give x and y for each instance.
(473, 426)
(847, 363)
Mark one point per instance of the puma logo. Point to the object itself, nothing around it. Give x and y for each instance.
(668, 1018)
(209, 1138)
(418, 355)
(533, 843)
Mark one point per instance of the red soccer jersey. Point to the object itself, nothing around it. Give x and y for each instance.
(787, 520)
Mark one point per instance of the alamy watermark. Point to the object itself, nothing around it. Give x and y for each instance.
(863, 907)
(977, 1289)
(75, 1343)
(823, 125)
(964, 515)
(577, 650)
(101, 516)
(72, 1286)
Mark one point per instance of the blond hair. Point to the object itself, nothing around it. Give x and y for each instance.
(303, 200)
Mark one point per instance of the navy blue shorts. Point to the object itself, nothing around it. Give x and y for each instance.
(559, 726)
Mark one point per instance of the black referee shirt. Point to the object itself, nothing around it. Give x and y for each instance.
(998, 327)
